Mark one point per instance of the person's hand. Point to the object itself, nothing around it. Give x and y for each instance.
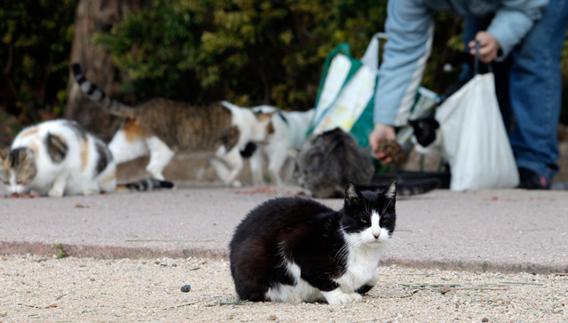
(488, 47)
(381, 131)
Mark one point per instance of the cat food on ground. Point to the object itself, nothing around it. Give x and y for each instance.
(30, 195)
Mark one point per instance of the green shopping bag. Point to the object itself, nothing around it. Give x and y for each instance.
(345, 96)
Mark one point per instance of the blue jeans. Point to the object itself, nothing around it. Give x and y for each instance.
(535, 91)
(534, 84)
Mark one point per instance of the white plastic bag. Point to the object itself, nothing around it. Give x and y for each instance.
(474, 138)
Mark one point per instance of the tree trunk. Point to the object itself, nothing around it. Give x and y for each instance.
(92, 17)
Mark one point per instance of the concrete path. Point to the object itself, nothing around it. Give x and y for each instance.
(509, 230)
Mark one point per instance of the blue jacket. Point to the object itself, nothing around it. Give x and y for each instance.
(410, 29)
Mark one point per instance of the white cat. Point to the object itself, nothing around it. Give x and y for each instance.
(287, 137)
(55, 158)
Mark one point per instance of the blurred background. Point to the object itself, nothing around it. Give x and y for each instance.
(245, 51)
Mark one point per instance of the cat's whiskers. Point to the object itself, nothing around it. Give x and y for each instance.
(342, 252)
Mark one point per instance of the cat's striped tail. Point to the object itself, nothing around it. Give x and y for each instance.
(146, 184)
(94, 93)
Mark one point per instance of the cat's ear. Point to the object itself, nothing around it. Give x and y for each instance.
(56, 147)
(270, 128)
(352, 195)
(390, 192)
(264, 116)
(5, 159)
(265, 119)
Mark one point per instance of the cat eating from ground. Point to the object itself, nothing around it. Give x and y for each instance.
(59, 157)
(286, 136)
(329, 161)
(298, 250)
(161, 128)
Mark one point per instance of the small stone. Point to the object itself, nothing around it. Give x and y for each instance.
(444, 290)
(185, 288)
(273, 317)
(484, 319)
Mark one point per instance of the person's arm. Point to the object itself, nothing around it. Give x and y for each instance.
(409, 29)
(513, 20)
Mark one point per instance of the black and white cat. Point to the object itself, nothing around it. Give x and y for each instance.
(296, 249)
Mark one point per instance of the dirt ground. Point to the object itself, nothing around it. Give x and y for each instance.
(50, 289)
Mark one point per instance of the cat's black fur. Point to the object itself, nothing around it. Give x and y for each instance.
(425, 129)
(304, 232)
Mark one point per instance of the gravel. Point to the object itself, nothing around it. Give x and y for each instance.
(49, 289)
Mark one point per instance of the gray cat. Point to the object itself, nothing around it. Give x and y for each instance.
(331, 160)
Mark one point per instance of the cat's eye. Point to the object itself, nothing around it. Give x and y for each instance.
(364, 221)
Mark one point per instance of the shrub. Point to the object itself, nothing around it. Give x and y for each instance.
(35, 44)
(247, 51)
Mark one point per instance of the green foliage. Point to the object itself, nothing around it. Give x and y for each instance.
(247, 51)
(35, 41)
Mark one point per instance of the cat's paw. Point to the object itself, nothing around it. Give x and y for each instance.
(356, 297)
(237, 184)
(90, 191)
(155, 172)
(55, 192)
(338, 297)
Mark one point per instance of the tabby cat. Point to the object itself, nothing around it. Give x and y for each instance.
(160, 127)
(296, 249)
(331, 160)
(59, 158)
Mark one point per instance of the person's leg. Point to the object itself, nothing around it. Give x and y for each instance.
(535, 94)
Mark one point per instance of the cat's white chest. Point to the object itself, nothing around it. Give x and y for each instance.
(361, 269)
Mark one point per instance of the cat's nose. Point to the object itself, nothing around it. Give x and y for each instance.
(376, 235)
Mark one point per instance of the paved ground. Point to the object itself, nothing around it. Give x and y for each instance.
(46, 289)
(492, 230)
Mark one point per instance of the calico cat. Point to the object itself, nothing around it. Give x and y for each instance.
(59, 158)
(296, 249)
(161, 127)
(331, 160)
(287, 134)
